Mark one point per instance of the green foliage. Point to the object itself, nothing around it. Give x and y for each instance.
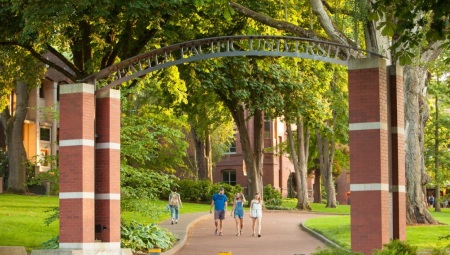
(51, 243)
(141, 237)
(51, 177)
(152, 133)
(414, 25)
(139, 183)
(397, 247)
(272, 197)
(195, 191)
(333, 251)
(439, 251)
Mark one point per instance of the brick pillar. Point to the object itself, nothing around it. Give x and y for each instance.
(369, 154)
(76, 163)
(107, 169)
(398, 153)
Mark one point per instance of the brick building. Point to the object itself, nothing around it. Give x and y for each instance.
(276, 168)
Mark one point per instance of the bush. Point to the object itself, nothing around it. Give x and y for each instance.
(194, 191)
(140, 183)
(272, 197)
(140, 237)
(51, 177)
(333, 251)
(395, 247)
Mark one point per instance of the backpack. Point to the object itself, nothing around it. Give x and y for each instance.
(173, 199)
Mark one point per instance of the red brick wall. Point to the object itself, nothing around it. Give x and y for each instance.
(398, 152)
(76, 165)
(107, 166)
(369, 158)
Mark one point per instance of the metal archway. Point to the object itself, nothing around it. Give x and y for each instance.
(226, 46)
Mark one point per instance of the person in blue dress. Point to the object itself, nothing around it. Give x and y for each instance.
(238, 212)
(219, 202)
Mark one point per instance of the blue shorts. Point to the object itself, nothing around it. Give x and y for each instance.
(239, 214)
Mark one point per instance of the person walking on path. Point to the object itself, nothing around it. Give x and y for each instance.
(238, 211)
(219, 202)
(256, 213)
(174, 204)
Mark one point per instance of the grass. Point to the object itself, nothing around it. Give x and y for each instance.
(22, 222)
(22, 218)
(337, 229)
(291, 203)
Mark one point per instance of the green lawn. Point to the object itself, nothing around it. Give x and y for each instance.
(337, 229)
(22, 222)
(22, 219)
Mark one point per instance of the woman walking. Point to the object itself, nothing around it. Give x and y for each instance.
(256, 213)
(174, 204)
(238, 211)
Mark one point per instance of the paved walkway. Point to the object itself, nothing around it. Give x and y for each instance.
(281, 234)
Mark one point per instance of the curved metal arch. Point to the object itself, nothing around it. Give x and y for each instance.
(227, 46)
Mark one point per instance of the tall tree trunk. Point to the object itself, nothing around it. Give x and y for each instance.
(258, 138)
(415, 117)
(13, 125)
(437, 191)
(199, 155)
(254, 169)
(300, 162)
(317, 186)
(326, 154)
(208, 158)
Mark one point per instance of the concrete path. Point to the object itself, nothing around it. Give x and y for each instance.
(281, 235)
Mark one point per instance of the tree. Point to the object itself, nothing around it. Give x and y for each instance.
(211, 124)
(27, 75)
(333, 135)
(85, 36)
(428, 48)
(416, 30)
(437, 133)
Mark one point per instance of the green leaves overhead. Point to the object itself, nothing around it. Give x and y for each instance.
(412, 24)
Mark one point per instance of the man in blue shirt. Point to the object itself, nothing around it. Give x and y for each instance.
(219, 201)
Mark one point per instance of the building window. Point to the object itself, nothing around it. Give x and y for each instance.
(45, 134)
(44, 157)
(232, 147)
(267, 124)
(229, 176)
(41, 91)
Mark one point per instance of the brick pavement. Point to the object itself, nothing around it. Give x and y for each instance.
(281, 235)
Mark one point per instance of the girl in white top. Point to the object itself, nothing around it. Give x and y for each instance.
(256, 213)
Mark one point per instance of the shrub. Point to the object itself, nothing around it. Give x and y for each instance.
(194, 191)
(395, 247)
(139, 183)
(333, 251)
(272, 197)
(140, 237)
(51, 177)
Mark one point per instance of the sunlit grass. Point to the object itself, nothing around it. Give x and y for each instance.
(22, 220)
(291, 203)
(337, 229)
